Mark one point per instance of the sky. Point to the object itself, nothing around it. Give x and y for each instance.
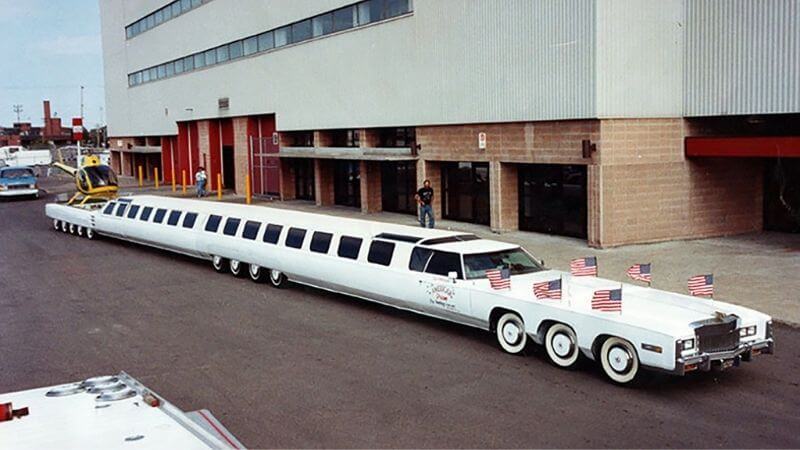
(48, 49)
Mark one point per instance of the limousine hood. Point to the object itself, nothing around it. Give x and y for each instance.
(665, 311)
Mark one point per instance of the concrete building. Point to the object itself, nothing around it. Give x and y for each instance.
(617, 121)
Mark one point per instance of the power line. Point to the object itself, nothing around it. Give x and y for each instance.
(17, 109)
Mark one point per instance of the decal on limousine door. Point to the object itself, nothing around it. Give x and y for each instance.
(441, 295)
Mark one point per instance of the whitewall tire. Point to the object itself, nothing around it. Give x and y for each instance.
(257, 273)
(72, 229)
(79, 231)
(277, 278)
(511, 334)
(561, 344)
(64, 227)
(220, 264)
(619, 360)
(56, 224)
(236, 267)
(90, 233)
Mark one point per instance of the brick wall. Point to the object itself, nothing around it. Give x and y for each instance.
(241, 147)
(204, 144)
(503, 196)
(323, 182)
(371, 200)
(287, 180)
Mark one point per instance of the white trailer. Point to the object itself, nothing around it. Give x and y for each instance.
(443, 274)
(15, 156)
(106, 412)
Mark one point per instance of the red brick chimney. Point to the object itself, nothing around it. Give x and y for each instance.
(47, 125)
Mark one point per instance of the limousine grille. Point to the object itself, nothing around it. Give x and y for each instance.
(718, 335)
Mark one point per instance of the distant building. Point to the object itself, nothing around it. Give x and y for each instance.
(23, 133)
(614, 121)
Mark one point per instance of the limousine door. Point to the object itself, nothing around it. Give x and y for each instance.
(435, 292)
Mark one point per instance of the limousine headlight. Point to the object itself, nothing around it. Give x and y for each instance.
(32, 186)
(747, 331)
(687, 344)
(3, 187)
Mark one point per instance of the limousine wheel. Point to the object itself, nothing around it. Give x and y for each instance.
(90, 233)
(72, 228)
(277, 278)
(236, 267)
(79, 231)
(56, 224)
(562, 345)
(64, 227)
(220, 264)
(619, 360)
(511, 333)
(257, 274)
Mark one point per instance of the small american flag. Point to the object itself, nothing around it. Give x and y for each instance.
(640, 272)
(701, 285)
(548, 289)
(584, 267)
(499, 278)
(607, 300)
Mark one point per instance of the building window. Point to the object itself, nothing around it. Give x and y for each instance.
(465, 192)
(301, 31)
(266, 41)
(396, 137)
(211, 57)
(344, 19)
(295, 237)
(553, 199)
(160, 16)
(236, 50)
(399, 186)
(349, 247)
(347, 183)
(322, 25)
(380, 253)
(303, 178)
(199, 60)
(272, 234)
(231, 226)
(251, 45)
(345, 138)
(283, 36)
(321, 242)
(222, 54)
(251, 229)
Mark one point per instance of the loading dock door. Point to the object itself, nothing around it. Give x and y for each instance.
(265, 165)
(552, 199)
(782, 195)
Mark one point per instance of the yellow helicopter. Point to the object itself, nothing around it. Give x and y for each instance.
(95, 181)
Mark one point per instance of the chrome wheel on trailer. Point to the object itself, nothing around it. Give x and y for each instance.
(511, 333)
(561, 344)
(219, 263)
(236, 267)
(619, 360)
(257, 274)
(277, 278)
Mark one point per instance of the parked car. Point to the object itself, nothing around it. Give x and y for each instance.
(18, 156)
(17, 182)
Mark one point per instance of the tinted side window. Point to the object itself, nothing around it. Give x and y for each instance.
(295, 237)
(160, 213)
(109, 207)
(173, 218)
(189, 220)
(349, 247)
(380, 253)
(133, 211)
(321, 242)
(231, 226)
(419, 259)
(442, 263)
(212, 224)
(121, 209)
(146, 211)
(251, 229)
(272, 234)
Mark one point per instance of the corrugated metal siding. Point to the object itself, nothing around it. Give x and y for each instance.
(742, 57)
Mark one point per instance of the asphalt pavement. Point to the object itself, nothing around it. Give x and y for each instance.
(305, 368)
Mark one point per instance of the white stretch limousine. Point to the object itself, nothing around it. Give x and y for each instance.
(441, 274)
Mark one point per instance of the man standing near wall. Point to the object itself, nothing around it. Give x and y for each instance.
(424, 198)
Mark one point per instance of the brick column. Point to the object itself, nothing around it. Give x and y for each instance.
(371, 200)
(241, 146)
(204, 145)
(431, 170)
(322, 139)
(367, 138)
(287, 179)
(323, 182)
(503, 197)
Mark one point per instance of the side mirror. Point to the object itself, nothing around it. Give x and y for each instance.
(452, 275)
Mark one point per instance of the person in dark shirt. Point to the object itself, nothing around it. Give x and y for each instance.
(424, 198)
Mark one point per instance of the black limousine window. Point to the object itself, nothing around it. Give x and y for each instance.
(121, 209)
(146, 211)
(231, 226)
(321, 242)
(442, 263)
(212, 224)
(189, 220)
(109, 207)
(133, 211)
(349, 247)
(419, 259)
(173, 218)
(273, 233)
(251, 229)
(380, 253)
(160, 213)
(295, 237)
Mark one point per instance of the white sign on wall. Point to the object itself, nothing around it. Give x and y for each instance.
(482, 141)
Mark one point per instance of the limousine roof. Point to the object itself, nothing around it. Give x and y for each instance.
(446, 240)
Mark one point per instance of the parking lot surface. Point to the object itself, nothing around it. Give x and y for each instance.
(305, 368)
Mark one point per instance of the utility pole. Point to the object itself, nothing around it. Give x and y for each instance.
(17, 109)
(81, 102)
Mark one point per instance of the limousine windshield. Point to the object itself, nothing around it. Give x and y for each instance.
(517, 260)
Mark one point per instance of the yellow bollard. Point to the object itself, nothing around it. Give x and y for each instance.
(173, 180)
(183, 180)
(155, 175)
(219, 186)
(248, 195)
(141, 177)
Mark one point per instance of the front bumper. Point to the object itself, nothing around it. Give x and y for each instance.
(18, 192)
(723, 360)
